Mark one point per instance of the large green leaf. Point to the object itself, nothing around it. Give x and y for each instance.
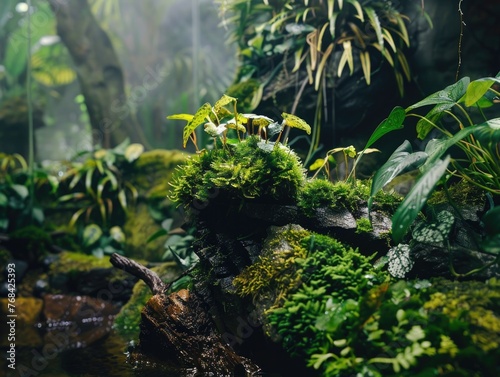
(436, 148)
(477, 89)
(401, 161)
(425, 125)
(393, 122)
(450, 94)
(408, 210)
(198, 118)
(488, 132)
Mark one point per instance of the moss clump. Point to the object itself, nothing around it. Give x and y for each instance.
(70, 262)
(476, 303)
(363, 225)
(153, 171)
(129, 318)
(249, 170)
(461, 193)
(275, 268)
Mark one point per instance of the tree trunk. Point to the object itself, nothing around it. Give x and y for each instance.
(99, 73)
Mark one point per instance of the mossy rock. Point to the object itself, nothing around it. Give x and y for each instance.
(153, 171)
(28, 310)
(138, 227)
(78, 273)
(128, 320)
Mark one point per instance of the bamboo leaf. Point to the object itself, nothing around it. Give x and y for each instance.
(364, 57)
(76, 216)
(408, 210)
(404, 31)
(298, 59)
(320, 38)
(330, 8)
(388, 37)
(88, 181)
(76, 179)
(404, 64)
(359, 9)
(100, 186)
(321, 67)
(375, 22)
(333, 20)
(385, 52)
(198, 119)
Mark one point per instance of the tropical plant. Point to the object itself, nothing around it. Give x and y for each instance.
(479, 160)
(99, 242)
(295, 44)
(99, 184)
(17, 206)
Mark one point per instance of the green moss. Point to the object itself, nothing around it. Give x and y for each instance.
(363, 225)
(275, 268)
(153, 171)
(70, 262)
(333, 276)
(138, 228)
(248, 170)
(461, 193)
(129, 318)
(473, 302)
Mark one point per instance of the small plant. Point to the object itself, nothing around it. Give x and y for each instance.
(98, 185)
(348, 153)
(99, 242)
(17, 208)
(236, 167)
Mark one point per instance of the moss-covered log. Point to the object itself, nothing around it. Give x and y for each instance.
(176, 328)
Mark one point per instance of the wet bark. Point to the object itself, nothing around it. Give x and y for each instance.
(99, 73)
(177, 328)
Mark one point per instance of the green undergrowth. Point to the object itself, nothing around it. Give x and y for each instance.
(344, 316)
(333, 278)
